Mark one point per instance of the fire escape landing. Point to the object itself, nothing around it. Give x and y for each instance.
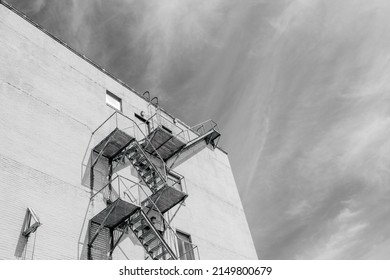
(139, 208)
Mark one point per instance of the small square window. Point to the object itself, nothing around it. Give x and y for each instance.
(113, 101)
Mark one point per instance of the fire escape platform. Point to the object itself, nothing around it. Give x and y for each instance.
(166, 198)
(115, 213)
(164, 142)
(113, 143)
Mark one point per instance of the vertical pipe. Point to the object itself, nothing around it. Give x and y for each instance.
(111, 244)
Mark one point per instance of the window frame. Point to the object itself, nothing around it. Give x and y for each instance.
(109, 94)
(190, 255)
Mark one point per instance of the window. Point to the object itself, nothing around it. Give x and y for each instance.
(113, 101)
(185, 246)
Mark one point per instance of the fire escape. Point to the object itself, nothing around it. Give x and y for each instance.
(149, 151)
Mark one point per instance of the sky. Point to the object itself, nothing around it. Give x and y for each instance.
(300, 90)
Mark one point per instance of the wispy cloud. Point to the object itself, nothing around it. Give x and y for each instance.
(314, 170)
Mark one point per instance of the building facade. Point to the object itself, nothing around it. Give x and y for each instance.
(90, 169)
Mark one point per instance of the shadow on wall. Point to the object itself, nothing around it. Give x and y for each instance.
(20, 251)
(99, 174)
(30, 224)
(84, 249)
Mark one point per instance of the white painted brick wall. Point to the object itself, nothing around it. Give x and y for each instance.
(50, 101)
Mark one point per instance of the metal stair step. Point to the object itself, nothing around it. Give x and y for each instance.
(137, 156)
(146, 172)
(160, 255)
(155, 248)
(142, 167)
(137, 229)
(150, 180)
(149, 241)
(145, 234)
(136, 219)
(158, 184)
(131, 152)
(155, 180)
(141, 162)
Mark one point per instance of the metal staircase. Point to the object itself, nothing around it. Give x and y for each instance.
(140, 208)
(151, 238)
(147, 171)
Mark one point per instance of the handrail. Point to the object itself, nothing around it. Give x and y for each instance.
(158, 116)
(93, 196)
(145, 138)
(154, 98)
(158, 235)
(121, 180)
(154, 167)
(104, 122)
(181, 178)
(192, 129)
(148, 95)
(128, 191)
(117, 178)
(171, 233)
(155, 207)
(162, 216)
(190, 250)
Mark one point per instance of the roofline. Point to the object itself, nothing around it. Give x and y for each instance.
(84, 57)
(25, 17)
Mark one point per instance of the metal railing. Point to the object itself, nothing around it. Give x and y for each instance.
(123, 123)
(200, 129)
(179, 129)
(133, 192)
(116, 188)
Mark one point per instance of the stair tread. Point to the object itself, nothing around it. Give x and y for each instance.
(136, 220)
(145, 234)
(160, 255)
(138, 228)
(155, 248)
(148, 242)
(147, 173)
(152, 179)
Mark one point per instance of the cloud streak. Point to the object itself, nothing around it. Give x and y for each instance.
(314, 170)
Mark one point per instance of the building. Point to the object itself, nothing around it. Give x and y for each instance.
(90, 169)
